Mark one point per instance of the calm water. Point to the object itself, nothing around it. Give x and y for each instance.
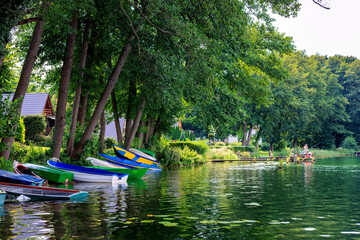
(214, 201)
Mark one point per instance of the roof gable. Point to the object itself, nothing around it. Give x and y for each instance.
(35, 104)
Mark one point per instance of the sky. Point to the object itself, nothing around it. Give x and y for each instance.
(322, 31)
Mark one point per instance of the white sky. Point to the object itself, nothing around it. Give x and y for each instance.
(327, 32)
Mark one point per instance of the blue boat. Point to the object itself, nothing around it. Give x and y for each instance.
(127, 163)
(2, 197)
(134, 156)
(84, 174)
(10, 177)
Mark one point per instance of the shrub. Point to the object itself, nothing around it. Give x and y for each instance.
(189, 156)
(20, 136)
(18, 152)
(109, 142)
(221, 153)
(243, 148)
(350, 143)
(35, 127)
(200, 146)
(167, 156)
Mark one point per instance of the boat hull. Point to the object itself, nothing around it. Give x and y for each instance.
(123, 153)
(10, 177)
(100, 163)
(2, 197)
(83, 174)
(49, 173)
(133, 173)
(128, 163)
(43, 193)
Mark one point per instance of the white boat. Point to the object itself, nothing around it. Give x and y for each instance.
(83, 174)
(138, 152)
(100, 163)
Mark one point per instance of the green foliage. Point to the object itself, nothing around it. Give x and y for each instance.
(20, 136)
(199, 146)
(211, 136)
(221, 153)
(35, 127)
(181, 135)
(167, 156)
(332, 153)
(189, 156)
(350, 143)
(109, 142)
(9, 117)
(242, 148)
(29, 153)
(6, 165)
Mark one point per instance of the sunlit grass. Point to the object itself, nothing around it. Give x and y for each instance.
(221, 153)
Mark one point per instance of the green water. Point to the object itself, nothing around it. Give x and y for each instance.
(214, 201)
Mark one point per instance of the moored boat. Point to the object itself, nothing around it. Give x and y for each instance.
(142, 154)
(10, 177)
(100, 163)
(148, 152)
(42, 193)
(83, 174)
(21, 169)
(133, 173)
(2, 197)
(123, 153)
(49, 173)
(127, 163)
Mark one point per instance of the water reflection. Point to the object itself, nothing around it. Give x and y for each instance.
(214, 201)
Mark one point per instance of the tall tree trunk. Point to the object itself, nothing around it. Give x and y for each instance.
(244, 133)
(102, 132)
(83, 108)
(258, 138)
(128, 126)
(2, 54)
(60, 117)
(140, 133)
(130, 105)
(148, 125)
(75, 110)
(151, 129)
(156, 127)
(249, 135)
(24, 80)
(129, 139)
(116, 118)
(103, 99)
(272, 147)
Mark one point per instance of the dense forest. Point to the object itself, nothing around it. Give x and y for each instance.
(219, 65)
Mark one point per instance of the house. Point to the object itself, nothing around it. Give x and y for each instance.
(37, 104)
(110, 130)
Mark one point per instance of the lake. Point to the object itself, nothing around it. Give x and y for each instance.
(214, 201)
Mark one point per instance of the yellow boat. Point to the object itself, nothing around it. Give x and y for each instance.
(123, 153)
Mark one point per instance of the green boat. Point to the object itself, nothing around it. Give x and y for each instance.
(133, 173)
(49, 173)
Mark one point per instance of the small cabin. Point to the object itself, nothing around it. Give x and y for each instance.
(38, 104)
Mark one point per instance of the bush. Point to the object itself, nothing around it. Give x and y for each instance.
(200, 146)
(167, 156)
(243, 148)
(350, 143)
(189, 156)
(35, 127)
(20, 136)
(109, 142)
(221, 153)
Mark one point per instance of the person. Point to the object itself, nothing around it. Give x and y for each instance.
(270, 153)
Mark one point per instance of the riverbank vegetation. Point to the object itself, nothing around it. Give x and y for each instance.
(218, 67)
